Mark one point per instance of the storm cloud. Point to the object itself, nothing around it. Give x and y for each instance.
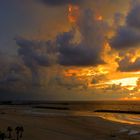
(32, 52)
(67, 82)
(34, 55)
(88, 51)
(72, 54)
(128, 36)
(125, 38)
(67, 51)
(133, 18)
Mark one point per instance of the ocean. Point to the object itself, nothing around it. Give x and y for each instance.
(118, 111)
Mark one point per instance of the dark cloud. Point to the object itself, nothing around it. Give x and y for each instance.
(88, 50)
(21, 95)
(133, 18)
(126, 65)
(32, 52)
(34, 55)
(65, 49)
(128, 36)
(61, 2)
(11, 77)
(67, 82)
(72, 54)
(11, 70)
(125, 38)
(79, 56)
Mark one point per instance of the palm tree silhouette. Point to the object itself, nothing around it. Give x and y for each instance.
(9, 129)
(21, 131)
(17, 129)
(2, 136)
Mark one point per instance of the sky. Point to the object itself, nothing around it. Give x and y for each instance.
(70, 50)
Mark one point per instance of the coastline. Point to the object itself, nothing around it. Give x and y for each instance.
(38, 127)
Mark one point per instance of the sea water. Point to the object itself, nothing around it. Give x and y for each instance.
(119, 111)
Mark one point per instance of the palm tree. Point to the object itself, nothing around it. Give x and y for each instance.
(17, 129)
(9, 129)
(21, 131)
(2, 136)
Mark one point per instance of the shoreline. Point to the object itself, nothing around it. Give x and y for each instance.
(39, 127)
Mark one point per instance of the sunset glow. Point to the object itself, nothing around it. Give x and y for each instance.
(132, 81)
(99, 18)
(73, 13)
(71, 49)
(70, 69)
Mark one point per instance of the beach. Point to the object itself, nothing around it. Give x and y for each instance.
(61, 125)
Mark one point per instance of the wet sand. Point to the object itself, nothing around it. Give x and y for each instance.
(66, 127)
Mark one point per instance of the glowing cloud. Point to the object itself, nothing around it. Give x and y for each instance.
(73, 13)
(132, 81)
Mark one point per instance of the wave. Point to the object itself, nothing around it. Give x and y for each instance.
(120, 117)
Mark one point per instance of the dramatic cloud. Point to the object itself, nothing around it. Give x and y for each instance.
(69, 52)
(80, 46)
(125, 38)
(133, 18)
(128, 36)
(14, 78)
(65, 52)
(72, 54)
(61, 2)
(67, 82)
(126, 65)
(88, 50)
(34, 54)
(11, 70)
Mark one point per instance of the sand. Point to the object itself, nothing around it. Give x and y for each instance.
(65, 127)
